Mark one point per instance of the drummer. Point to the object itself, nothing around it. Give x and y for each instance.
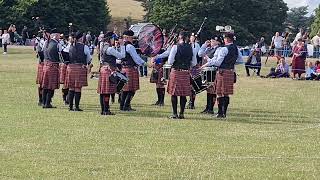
(181, 57)
(211, 49)
(196, 69)
(108, 66)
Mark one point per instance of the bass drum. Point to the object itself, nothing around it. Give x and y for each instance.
(149, 38)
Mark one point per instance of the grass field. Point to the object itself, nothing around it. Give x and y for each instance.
(272, 132)
(126, 8)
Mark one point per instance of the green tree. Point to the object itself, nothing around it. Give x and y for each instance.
(250, 18)
(315, 27)
(297, 18)
(86, 15)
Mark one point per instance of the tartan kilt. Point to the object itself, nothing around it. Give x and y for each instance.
(104, 85)
(76, 76)
(179, 83)
(212, 89)
(50, 76)
(133, 79)
(62, 72)
(224, 82)
(160, 83)
(39, 73)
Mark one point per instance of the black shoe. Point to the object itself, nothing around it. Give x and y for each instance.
(71, 109)
(204, 111)
(78, 109)
(108, 113)
(181, 116)
(161, 104)
(48, 106)
(156, 104)
(129, 109)
(174, 116)
(221, 116)
(210, 112)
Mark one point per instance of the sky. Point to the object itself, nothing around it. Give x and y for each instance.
(313, 4)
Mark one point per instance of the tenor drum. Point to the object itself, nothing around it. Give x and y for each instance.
(209, 74)
(120, 79)
(197, 85)
(166, 71)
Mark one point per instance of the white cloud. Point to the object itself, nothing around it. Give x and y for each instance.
(313, 4)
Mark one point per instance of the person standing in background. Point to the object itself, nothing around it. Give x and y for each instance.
(316, 45)
(25, 35)
(5, 41)
(1, 38)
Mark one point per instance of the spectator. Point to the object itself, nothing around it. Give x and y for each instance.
(1, 38)
(281, 71)
(298, 59)
(299, 35)
(277, 41)
(316, 45)
(88, 38)
(5, 41)
(254, 62)
(310, 72)
(25, 35)
(286, 45)
(11, 31)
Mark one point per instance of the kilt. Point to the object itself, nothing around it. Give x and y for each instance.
(298, 65)
(212, 89)
(179, 83)
(39, 73)
(224, 82)
(76, 76)
(62, 72)
(159, 82)
(133, 78)
(50, 76)
(104, 84)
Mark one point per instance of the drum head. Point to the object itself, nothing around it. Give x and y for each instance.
(121, 76)
(150, 40)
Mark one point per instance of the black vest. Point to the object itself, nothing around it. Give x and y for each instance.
(51, 52)
(128, 61)
(231, 58)
(183, 57)
(211, 51)
(76, 54)
(110, 59)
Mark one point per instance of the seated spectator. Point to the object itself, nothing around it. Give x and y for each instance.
(282, 70)
(254, 62)
(310, 72)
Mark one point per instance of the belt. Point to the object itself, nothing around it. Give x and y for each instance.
(181, 69)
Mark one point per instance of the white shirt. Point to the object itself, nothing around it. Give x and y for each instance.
(173, 53)
(164, 54)
(40, 44)
(219, 56)
(133, 53)
(86, 51)
(315, 40)
(277, 40)
(195, 47)
(5, 38)
(118, 54)
(298, 36)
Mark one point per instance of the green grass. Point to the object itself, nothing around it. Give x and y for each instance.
(126, 8)
(272, 132)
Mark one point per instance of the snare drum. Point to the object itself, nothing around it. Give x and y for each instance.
(120, 79)
(166, 71)
(197, 85)
(209, 74)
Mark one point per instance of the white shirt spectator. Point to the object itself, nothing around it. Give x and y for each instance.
(5, 38)
(315, 40)
(278, 41)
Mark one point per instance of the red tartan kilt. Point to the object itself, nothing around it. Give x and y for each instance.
(298, 65)
(76, 76)
(212, 89)
(50, 76)
(104, 85)
(39, 73)
(159, 82)
(179, 83)
(63, 72)
(133, 79)
(224, 82)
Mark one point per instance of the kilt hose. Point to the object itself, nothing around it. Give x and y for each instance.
(62, 72)
(76, 76)
(179, 83)
(39, 73)
(224, 82)
(105, 86)
(159, 82)
(50, 78)
(133, 79)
